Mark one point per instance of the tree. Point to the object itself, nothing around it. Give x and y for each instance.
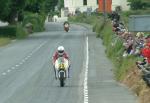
(4, 9)
(60, 4)
(136, 4)
(50, 5)
(35, 6)
(10, 10)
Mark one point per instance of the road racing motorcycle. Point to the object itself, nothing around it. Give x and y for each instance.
(66, 27)
(61, 66)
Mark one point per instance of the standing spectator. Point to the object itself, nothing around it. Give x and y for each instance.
(115, 17)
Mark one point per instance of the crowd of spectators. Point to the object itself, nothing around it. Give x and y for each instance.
(136, 44)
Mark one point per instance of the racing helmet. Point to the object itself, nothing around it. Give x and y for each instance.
(60, 50)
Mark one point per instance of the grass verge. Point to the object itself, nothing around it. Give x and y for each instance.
(125, 69)
(4, 41)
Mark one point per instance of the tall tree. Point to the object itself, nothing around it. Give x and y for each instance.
(136, 4)
(60, 4)
(50, 5)
(10, 10)
(35, 6)
(4, 9)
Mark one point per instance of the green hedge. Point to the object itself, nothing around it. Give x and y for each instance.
(8, 31)
(20, 30)
(15, 31)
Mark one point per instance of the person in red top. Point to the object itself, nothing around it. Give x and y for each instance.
(60, 53)
(147, 39)
(145, 52)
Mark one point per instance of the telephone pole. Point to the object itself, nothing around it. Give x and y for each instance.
(104, 9)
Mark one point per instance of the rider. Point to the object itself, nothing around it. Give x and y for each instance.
(60, 53)
(66, 24)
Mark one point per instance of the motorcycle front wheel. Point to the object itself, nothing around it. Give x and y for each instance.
(62, 82)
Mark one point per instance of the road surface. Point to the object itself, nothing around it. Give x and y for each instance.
(27, 76)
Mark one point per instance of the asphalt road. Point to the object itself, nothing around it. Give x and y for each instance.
(27, 76)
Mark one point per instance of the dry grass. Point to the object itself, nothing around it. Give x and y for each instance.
(4, 41)
(134, 81)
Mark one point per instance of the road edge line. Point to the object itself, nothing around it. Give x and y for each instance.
(86, 73)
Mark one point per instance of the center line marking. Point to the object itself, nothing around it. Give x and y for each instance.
(8, 70)
(26, 58)
(20, 63)
(29, 56)
(4, 73)
(12, 67)
(17, 65)
(23, 60)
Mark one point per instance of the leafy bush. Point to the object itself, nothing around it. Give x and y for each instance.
(20, 32)
(36, 20)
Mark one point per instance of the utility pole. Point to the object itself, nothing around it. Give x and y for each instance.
(104, 9)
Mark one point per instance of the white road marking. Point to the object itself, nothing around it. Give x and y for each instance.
(86, 73)
(4, 73)
(30, 54)
(12, 67)
(39, 47)
(26, 58)
(23, 60)
(8, 70)
(21, 63)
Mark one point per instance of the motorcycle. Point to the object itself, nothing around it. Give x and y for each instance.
(66, 27)
(62, 66)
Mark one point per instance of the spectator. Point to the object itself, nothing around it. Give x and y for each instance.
(147, 39)
(128, 46)
(146, 52)
(138, 43)
(145, 64)
(115, 16)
